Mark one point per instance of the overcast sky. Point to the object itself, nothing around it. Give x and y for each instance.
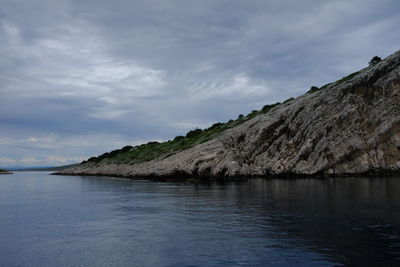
(79, 78)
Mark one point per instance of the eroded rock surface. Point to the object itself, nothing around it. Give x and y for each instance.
(347, 128)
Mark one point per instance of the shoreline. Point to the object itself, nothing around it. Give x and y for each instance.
(185, 176)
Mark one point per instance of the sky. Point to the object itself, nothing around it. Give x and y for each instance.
(80, 78)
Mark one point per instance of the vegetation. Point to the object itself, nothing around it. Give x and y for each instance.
(3, 171)
(375, 60)
(313, 89)
(347, 78)
(288, 100)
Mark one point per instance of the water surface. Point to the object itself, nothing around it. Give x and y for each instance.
(96, 221)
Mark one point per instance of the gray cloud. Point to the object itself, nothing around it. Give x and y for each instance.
(79, 78)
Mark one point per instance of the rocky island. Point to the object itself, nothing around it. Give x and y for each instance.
(348, 127)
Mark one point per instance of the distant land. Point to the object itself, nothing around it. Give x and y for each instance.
(44, 168)
(2, 171)
(347, 127)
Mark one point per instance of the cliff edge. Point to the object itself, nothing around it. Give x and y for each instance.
(351, 126)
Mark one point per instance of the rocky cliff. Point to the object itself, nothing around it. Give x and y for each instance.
(348, 127)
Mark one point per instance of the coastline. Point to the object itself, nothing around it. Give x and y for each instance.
(187, 176)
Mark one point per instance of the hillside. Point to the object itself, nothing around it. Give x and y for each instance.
(351, 126)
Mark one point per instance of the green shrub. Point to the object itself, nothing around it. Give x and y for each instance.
(267, 108)
(347, 78)
(374, 60)
(152, 143)
(179, 138)
(252, 113)
(93, 159)
(313, 89)
(288, 100)
(193, 133)
(215, 125)
(126, 148)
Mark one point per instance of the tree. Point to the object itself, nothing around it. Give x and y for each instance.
(179, 138)
(193, 133)
(313, 89)
(288, 100)
(215, 125)
(252, 113)
(126, 148)
(375, 60)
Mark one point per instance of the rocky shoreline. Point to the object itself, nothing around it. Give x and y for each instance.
(197, 179)
(188, 176)
(349, 127)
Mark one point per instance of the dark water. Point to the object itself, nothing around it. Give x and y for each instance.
(92, 221)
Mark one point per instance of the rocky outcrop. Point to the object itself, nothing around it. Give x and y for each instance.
(350, 127)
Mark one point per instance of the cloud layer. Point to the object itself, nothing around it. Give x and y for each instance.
(78, 78)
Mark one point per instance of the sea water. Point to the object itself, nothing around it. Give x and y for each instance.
(48, 220)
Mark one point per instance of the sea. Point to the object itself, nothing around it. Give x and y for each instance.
(49, 220)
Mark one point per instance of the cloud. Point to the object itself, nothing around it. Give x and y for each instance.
(7, 161)
(63, 160)
(78, 78)
(29, 161)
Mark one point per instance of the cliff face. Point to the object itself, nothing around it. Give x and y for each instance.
(351, 126)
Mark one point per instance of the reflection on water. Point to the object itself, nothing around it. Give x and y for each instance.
(70, 221)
